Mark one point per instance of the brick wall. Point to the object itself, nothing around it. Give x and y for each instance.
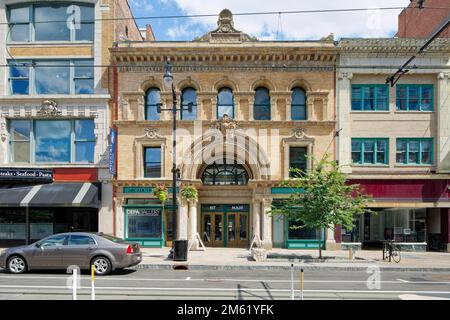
(420, 23)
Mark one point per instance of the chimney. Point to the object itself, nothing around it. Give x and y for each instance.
(149, 35)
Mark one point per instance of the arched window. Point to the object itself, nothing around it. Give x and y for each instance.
(189, 95)
(261, 109)
(298, 104)
(225, 174)
(225, 103)
(153, 97)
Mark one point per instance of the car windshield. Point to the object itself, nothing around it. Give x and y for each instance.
(112, 238)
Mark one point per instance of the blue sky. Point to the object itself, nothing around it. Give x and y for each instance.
(311, 26)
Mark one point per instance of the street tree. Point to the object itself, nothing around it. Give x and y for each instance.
(322, 198)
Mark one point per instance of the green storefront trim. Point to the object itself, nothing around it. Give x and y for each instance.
(136, 190)
(286, 190)
(145, 242)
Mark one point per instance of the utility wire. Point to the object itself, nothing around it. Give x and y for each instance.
(238, 14)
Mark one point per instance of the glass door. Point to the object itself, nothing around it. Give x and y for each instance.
(237, 226)
(212, 226)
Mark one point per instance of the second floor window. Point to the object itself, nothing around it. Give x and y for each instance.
(370, 151)
(225, 103)
(415, 97)
(52, 141)
(261, 109)
(152, 162)
(298, 104)
(49, 22)
(415, 151)
(370, 97)
(51, 77)
(189, 95)
(297, 160)
(153, 98)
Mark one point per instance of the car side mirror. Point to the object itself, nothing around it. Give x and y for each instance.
(40, 246)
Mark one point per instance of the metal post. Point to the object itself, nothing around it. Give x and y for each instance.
(27, 225)
(174, 170)
(301, 284)
(92, 283)
(74, 284)
(292, 282)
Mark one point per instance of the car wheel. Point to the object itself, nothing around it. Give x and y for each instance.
(102, 266)
(17, 265)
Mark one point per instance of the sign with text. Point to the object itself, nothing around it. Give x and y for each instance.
(147, 212)
(112, 151)
(39, 175)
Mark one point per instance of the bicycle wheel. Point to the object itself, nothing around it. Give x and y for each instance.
(396, 256)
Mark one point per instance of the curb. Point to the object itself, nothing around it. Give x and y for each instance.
(186, 266)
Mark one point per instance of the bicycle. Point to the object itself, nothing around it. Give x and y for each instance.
(391, 251)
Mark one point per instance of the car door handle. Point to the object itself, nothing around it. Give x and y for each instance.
(90, 248)
(58, 249)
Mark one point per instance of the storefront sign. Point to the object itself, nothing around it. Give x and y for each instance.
(144, 212)
(135, 190)
(286, 190)
(112, 151)
(39, 175)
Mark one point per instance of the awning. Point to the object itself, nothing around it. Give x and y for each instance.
(52, 195)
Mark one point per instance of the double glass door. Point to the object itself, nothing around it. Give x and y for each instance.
(221, 229)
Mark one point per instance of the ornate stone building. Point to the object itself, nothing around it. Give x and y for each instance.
(258, 108)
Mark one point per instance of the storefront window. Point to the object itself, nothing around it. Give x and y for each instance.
(12, 226)
(296, 231)
(144, 223)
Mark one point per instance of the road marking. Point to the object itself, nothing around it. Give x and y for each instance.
(226, 280)
(230, 289)
(417, 297)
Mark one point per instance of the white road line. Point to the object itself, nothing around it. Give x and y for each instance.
(417, 297)
(227, 280)
(232, 289)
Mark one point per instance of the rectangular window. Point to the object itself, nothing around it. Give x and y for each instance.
(370, 151)
(51, 77)
(415, 97)
(297, 160)
(51, 22)
(370, 97)
(415, 151)
(19, 78)
(52, 141)
(152, 162)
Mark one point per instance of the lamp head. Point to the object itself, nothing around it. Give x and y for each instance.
(168, 75)
(190, 107)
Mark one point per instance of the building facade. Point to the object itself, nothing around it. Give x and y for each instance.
(54, 122)
(258, 108)
(395, 140)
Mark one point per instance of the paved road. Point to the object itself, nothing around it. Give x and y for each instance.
(228, 285)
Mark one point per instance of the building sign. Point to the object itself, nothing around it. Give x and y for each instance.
(226, 208)
(35, 175)
(112, 151)
(136, 190)
(147, 212)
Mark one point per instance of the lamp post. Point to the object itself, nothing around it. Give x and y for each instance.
(168, 82)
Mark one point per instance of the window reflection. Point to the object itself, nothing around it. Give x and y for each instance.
(52, 77)
(225, 103)
(52, 141)
(261, 109)
(50, 23)
(152, 100)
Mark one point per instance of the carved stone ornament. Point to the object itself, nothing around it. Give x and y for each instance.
(225, 124)
(225, 32)
(301, 134)
(49, 108)
(151, 133)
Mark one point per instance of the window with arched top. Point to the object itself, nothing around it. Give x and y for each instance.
(261, 108)
(231, 174)
(225, 103)
(298, 104)
(152, 99)
(189, 95)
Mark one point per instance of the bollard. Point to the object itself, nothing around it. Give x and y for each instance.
(350, 254)
(74, 284)
(292, 282)
(301, 284)
(92, 283)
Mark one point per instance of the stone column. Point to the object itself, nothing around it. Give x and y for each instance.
(288, 109)
(267, 224)
(343, 107)
(182, 220)
(445, 229)
(256, 218)
(192, 225)
(251, 102)
(166, 100)
(310, 115)
(140, 108)
(442, 108)
(119, 230)
(330, 243)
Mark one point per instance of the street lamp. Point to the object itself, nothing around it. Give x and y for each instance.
(168, 82)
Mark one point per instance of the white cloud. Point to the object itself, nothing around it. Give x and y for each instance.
(367, 23)
(142, 5)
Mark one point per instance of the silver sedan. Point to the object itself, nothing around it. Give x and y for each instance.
(106, 253)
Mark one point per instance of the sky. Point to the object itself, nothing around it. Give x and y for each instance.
(306, 26)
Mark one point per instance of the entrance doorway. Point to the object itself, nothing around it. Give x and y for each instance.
(225, 225)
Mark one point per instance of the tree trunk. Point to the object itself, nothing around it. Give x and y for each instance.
(320, 243)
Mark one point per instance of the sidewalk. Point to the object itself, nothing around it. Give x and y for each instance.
(240, 259)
